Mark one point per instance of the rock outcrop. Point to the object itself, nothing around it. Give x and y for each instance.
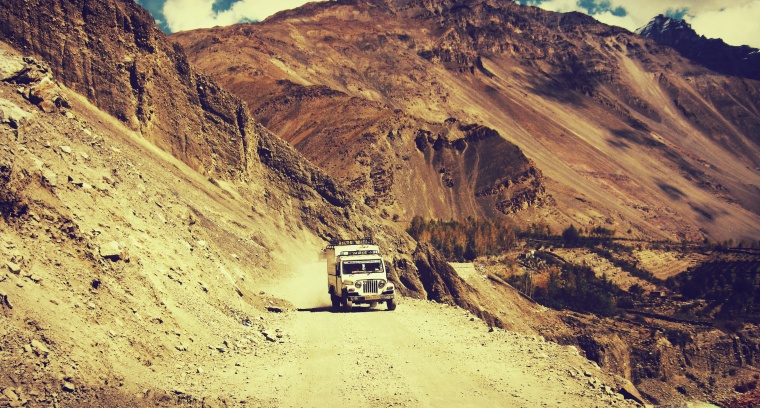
(113, 53)
(35, 83)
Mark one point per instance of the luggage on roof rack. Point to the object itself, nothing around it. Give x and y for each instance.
(362, 241)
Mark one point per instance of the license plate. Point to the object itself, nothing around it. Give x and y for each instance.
(373, 297)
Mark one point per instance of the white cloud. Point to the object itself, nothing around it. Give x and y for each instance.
(736, 25)
(561, 6)
(625, 21)
(191, 14)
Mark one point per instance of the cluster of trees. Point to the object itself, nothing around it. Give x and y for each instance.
(740, 244)
(733, 287)
(577, 288)
(594, 236)
(464, 241)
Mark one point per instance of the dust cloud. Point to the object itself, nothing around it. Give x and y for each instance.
(304, 280)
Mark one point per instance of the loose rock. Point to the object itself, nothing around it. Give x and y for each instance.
(68, 386)
(11, 114)
(10, 394)
(13, 267)
(112, 250)
(50, 176)
(39, 348)
(10, 67)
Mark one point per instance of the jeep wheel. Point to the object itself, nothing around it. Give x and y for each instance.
(347, 305)
(335, 302)
(391, 304)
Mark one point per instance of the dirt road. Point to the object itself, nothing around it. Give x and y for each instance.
(421, 355)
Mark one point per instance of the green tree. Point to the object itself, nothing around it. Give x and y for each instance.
(571, 235)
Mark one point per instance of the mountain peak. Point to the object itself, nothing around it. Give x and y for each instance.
(663, 25)
(712, 53)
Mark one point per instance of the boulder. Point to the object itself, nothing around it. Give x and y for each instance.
(39, 348)
(10, 67)
(13, 267)
(68, 386)
(10, 394)
(629, 391)
(5, 301)
(50, 177)
(11, 114)
(39, 88)
(46, 94)
(269, 335)
(112, 250)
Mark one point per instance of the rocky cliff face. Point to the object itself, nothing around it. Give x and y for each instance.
(742, 61)
(112, 52)
(606, 116)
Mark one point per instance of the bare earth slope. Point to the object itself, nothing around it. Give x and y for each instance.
(621, 132)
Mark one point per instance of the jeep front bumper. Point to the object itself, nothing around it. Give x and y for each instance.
(356, 298)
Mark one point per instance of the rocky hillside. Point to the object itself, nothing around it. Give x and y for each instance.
(615, 130)
(743, 61)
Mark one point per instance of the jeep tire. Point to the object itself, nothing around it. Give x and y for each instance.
(347, 305)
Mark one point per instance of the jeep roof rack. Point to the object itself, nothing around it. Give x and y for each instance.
(362, 241)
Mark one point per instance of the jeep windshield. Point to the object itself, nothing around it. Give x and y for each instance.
(350, 267)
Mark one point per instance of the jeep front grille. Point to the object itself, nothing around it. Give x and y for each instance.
(371, 286)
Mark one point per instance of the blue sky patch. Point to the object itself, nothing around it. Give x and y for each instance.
(591, 7)
(222, 5)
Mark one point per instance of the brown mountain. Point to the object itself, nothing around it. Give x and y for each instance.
(477, 108)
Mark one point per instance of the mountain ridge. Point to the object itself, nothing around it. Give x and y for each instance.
(715, 54)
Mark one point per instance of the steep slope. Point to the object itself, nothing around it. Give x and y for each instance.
(619, 132)
(743, 61)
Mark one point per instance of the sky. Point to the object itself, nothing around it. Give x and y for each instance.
(737, 22)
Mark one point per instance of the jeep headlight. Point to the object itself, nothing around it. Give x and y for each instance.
(359, 284)
(382, 283)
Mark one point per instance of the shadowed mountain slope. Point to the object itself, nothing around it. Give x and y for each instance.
(616, 131)
(742, 61)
